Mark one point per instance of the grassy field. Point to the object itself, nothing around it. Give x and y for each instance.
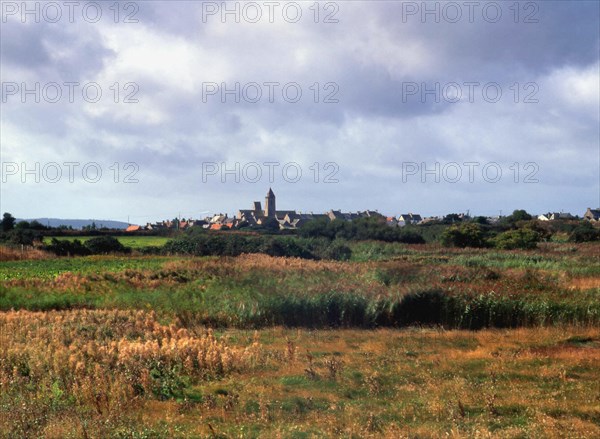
(379, 346)
(123, 374)
(135, 242)
(467, 289)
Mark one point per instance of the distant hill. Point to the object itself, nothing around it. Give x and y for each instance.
(78, 223)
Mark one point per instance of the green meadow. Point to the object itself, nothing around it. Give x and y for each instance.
(134, 241)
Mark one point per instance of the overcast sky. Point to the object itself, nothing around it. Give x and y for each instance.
(402, 107)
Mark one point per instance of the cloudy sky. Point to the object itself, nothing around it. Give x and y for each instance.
(155, 108)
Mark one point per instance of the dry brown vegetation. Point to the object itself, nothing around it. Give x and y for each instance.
(100, 364)
(24, 253)
(124, 374)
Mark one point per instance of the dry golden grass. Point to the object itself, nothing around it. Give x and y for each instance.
(583, 283)
(18, 254)
(104, 374)
(101, 363)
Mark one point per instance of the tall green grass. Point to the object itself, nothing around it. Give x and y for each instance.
(243, 307)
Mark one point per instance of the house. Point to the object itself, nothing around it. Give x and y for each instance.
(370, 214)
(218, 219)
(431, 219)
(592, 215)
(409, 218)
(230, 222)
(552, 216)
(339, 215)
(294, 220)
(132, 228)
(391, 221)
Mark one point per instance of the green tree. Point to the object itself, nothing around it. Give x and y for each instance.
(8, 222)
(516, 216)
(22, 225)
(480, 220)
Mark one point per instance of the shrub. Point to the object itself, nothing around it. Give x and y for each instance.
(410, 237)
(67, 248)
(21, 237)
(105, 244)
(289, 247)
(585, 233)
(359, 230)
(338, 251)
(463, 235)
(517, 239)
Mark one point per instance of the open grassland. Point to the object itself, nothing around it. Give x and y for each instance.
(378, 346)
(416, 284)
(125, 374)
(133, 241)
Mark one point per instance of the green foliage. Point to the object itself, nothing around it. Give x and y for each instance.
(8, 222)
(67, 248)
(137, 242)
(105, 245)
(33, 225)
(463, 235)
(218, 292)
(585, 232)
(337, 251)
(451, 218)
(209, 244)
(526, 239)
(18, 236)
(94, 246)
(22, 225)
(480, 220)
(519, 215)
(359, 229)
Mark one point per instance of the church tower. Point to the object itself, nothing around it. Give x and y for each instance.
(270, 204)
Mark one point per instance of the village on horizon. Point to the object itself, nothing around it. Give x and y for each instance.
(292, 219)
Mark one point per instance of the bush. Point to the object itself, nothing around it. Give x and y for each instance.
(20, 237)
(464, 235)
(290, 247)
(105, 244)
(63, 247)
(206, 244)
(517, 239)
(410, 237)
(585, 233)
(359, 230)
(337, 251)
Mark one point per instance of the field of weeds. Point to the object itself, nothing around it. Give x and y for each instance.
(400, 341)
(124, 374)
(414, 285)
